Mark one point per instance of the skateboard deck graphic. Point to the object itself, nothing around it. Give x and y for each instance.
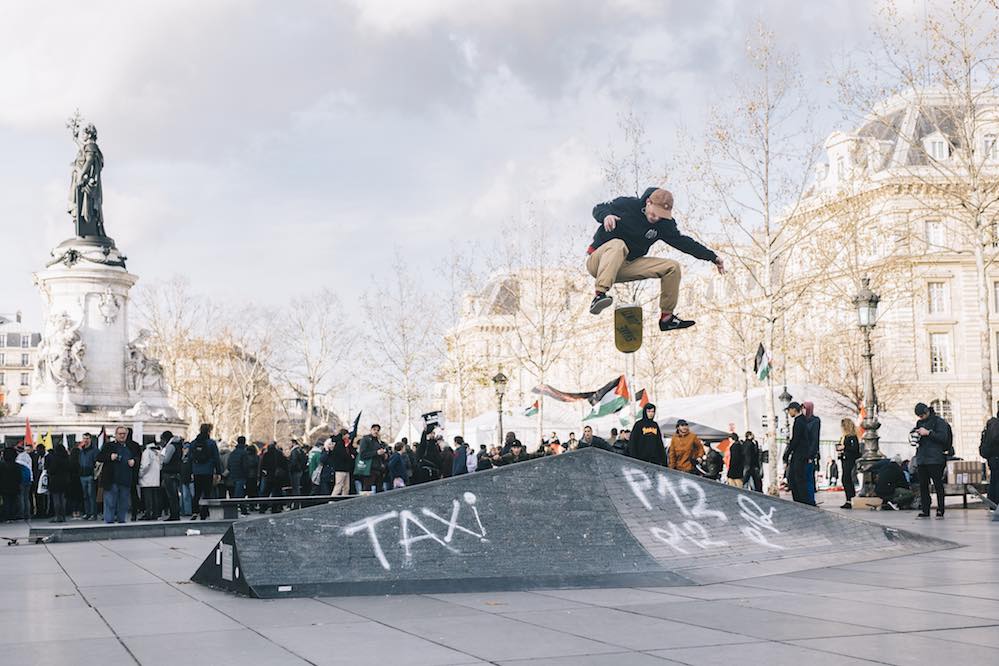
(628, 328)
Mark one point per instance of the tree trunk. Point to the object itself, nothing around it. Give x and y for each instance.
(988, 407)
(745, 400)
(772, 446)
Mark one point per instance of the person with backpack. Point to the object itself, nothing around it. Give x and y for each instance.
(685, 448)
(711, 463)
(206, 467)
(170, 469)
(989, 449)
(238, 466)
(934, 444)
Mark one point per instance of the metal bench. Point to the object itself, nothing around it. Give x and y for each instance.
(229, 508)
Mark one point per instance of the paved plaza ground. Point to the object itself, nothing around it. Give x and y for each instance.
(130, 601)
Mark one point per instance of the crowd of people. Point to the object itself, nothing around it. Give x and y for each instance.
(168, 478)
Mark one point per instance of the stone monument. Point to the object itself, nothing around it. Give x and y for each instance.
(89, 372)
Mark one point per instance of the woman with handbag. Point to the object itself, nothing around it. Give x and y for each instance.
(848, 450)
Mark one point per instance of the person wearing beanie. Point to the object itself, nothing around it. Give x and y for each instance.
(685, 448)
(932, 449)
(627, 228)
(646, 441)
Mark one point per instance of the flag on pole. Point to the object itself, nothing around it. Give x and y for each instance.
(101, 438)
(28, 440)
(533, 409)
(46, 441)
(761, 365)
(642, 398)
(610, 399)
(357, 422)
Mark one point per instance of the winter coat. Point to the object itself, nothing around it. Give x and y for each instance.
(595, 442)
(343, 458)
(150, 466)
(447, 462)
(367, 449)
(459, 463)
(327, 462)
(115, 472)
(471, 461)
(88, 456)
(930, 450)
(751, 455)
(646, 442)
(736, 460)
(238, 464)
(57, 468)
(797, 451)
(684, 450)
(315, 455)
(213, 464)
(10, 473)
(170, 462)
(396, 467)
(636, 232)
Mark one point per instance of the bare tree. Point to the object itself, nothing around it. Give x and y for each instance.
(250, 337)
(401, 329)
(754, 164)
(316, 346)
(942, 67)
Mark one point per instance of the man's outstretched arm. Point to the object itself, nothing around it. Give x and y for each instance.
(688, 245)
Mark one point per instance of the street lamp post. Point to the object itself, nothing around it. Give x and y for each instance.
(866, 302)
(499, 382)
(785, 400)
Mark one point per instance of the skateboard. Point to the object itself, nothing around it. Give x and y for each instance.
(628, 328)
(985, 500)
(14, 541)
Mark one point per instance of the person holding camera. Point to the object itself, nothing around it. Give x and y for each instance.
(932, 439)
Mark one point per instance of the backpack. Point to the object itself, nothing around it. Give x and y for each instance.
(989, 447)
(712, 464)
(949, 446)
(200, 453)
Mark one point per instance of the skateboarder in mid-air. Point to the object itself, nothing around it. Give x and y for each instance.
(628, 228)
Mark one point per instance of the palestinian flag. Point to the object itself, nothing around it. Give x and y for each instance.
(611, 398)
(642, 398)
(102, 438)
(561, 396)
(533, 409)
(761, 365)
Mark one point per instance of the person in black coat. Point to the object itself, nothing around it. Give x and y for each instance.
(429, 458)
(57, 469)
(933, 447)
(753, 463)
(848, 451)
(646, 441)
(736, 462)
(797, 454)
(10, 484)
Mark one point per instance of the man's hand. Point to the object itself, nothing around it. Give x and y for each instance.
(720, 264)
(923, 431)
(114, 456)
(131, 463)
(610, 222)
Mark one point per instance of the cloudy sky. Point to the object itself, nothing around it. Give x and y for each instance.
(260, 148)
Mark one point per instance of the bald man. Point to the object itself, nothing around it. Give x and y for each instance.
(629, 226)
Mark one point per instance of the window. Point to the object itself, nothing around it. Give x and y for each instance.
(934, 234)
(944, 409)
(25, 341)
(24, 360)
(3, 358)
(3, 380)
(840, 169)
(939, 353)
(937, 148)
(936, 298)
(24, 379)
(991, 147)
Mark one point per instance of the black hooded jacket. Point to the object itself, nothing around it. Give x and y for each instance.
(646, 442)
(636, 232)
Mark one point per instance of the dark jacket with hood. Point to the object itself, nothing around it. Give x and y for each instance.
(736, 460)
(930, 450)
(57, 466)
(646, 442)
(814, 424)
(636, 232)
(799, 446)
(238, 464)
(342, 459)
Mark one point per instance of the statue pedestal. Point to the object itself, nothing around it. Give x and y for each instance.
(88, 374)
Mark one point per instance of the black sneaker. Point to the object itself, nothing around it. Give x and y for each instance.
(674, 323)
(940, 514)
(922, 515)
(848, 505)
(600, 303)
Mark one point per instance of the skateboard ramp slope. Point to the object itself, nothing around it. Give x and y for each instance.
(588, 518)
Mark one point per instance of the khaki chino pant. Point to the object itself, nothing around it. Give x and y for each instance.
(609, 265)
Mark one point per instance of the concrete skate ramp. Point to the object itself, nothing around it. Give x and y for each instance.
(589, 518)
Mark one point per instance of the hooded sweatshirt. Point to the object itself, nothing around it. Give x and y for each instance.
(636, 232)
(684, 450)
(646, 441)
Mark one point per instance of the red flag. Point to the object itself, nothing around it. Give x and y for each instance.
(28, 440)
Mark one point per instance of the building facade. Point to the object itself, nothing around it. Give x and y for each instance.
(18, 350)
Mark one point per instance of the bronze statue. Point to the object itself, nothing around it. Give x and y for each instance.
(85, 192)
